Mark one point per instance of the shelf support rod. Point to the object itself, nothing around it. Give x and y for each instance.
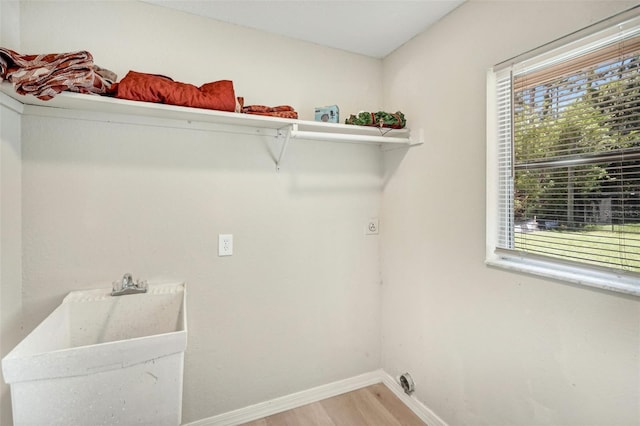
(344, 137)
(283, 148)
(411, 143)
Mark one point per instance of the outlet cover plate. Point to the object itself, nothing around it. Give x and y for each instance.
(225, 244)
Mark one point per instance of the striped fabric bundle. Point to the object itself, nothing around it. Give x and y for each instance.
(46, 75)
(282, 111)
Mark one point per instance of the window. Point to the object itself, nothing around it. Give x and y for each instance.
(563, 163)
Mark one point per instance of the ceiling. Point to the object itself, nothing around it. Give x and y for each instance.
(369, 27)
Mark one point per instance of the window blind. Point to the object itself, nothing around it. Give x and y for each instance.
(568, 130)
(505, 163)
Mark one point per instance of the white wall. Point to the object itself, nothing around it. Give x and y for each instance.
(265, 69)
(297, 305)
(10, 20)
(10, 213)
(10, 244)
(486, 346)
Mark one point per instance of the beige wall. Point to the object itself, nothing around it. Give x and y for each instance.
(297, 305)
(11, 330)
(266, 69)
(486, 346)
(10, 23)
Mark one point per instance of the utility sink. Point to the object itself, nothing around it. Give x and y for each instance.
(100, 359)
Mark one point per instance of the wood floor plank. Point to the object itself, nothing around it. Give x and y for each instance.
(313, 415)
(342, 410)
(374, 405)
(394, 405)
(307, 415)
(259, 422)
(371, 409)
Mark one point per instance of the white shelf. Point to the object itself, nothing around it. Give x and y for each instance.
(68, 104)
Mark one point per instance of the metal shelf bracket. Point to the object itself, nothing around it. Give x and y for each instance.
(286, 136)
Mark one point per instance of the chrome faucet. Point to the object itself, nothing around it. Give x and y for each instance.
(128, 286)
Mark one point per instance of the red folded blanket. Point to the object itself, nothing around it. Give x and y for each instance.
(46, 75)
(283, 111)
(137, 86)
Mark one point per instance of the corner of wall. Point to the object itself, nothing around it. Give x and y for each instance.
(10, 24)
(10, 242)
(10, 211)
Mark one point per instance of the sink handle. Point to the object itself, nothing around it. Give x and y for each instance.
(128, 286)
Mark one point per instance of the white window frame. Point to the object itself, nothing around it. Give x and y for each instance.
(592, 276)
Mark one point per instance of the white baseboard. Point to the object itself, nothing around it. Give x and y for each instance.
(295, 400)
(289, 402)
(420, 410)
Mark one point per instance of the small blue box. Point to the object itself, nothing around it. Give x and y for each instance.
(328, 114)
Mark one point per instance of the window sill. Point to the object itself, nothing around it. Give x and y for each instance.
(618, 282)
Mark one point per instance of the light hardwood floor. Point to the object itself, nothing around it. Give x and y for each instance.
(374, 405)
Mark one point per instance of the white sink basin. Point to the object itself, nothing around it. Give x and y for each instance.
(99, 359)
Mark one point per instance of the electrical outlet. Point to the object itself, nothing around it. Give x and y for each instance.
(372, 226)
(225, 245)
